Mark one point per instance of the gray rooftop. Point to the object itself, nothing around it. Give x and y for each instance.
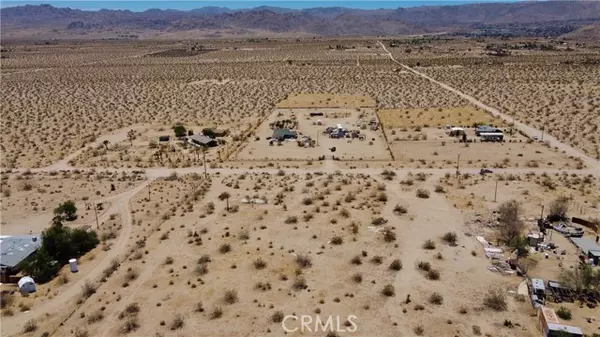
(538, 283)
(201, 139)
(585, 244)
(16, 248)
(573, 330)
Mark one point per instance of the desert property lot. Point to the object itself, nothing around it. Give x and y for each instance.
(432, 153)
(433, 148)
(434, 117)
(373, 147)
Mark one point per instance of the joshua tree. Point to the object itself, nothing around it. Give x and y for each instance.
(105, 142)
(131, 136)
(225, 196)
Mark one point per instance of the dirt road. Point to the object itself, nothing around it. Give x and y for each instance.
(55, 306)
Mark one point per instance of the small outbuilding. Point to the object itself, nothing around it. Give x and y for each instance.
(203, 141)
(26, 285)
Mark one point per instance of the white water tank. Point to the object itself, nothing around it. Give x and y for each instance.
(73, 265)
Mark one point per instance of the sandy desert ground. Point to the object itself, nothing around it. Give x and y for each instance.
(271, 231)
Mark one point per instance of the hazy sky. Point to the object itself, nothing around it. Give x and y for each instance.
(185, 5)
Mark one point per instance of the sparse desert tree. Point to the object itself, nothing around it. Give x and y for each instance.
(581, 278)
(558, 209)
(66, 211)
(509, 215)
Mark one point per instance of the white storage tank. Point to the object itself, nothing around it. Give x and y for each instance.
(73, 265)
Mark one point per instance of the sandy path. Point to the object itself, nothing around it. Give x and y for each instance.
(154, 262)
(531, 131)
(55, 306)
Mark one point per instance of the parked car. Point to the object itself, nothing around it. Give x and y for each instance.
(485, 170)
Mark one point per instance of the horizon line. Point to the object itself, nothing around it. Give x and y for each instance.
(140, 6)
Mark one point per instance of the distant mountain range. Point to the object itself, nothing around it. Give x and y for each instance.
(522, 18)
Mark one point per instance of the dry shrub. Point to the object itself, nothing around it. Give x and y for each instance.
(303, 261)
(389, 235)
(230, 297)
(396, 265)
(201, 269)
(357, 277)
(88, 289)
(216, 313)
(177, 322)
(400, 209)
(337, 240)
(277, 317)
(225, 248)
(299, 284)
(496, 299)
(450, 237)
(436, 298)
(130, 325)
(433, 274)
(260, 264)
(388, 290)
(422, 193)
(356, 260)
(429, 245)
(95, 317)
(425, 266)
(30, 326)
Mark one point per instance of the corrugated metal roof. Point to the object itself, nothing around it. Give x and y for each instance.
(201, 139)
(566, 328)
(585, 244)
(538, 283)
(16, 248)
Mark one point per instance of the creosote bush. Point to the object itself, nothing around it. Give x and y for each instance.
(422, 193)
(429, 245)
(450, 237)
(388, 290)
(396, 265)
(496, 299)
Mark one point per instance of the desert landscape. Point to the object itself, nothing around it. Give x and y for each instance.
(283, 184)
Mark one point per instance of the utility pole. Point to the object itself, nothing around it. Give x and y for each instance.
(96, 214)
(458, 165)
(90, 204)
(204, 159)
(542, 215)
(496, 191)
(148, 192)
